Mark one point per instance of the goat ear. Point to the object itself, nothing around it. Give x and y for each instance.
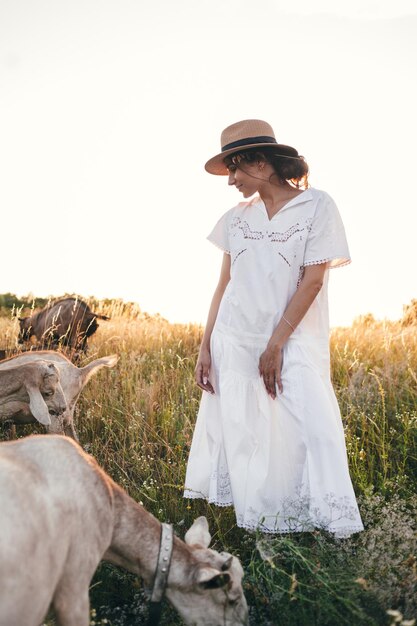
(227, 564)
(210, 578)
(87, 371)
(198, 533)
(37, 405)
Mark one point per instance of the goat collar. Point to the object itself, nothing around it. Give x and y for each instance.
(160, 580)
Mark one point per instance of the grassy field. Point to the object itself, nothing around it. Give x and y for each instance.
(137, 420)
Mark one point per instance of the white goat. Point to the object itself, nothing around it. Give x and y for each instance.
(30, 392)
(61, 514)
(72, 379)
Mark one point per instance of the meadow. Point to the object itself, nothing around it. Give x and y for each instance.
(138, 418)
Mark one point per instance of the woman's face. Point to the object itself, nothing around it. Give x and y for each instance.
(246, 177)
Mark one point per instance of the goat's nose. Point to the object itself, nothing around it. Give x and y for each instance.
(58, 411)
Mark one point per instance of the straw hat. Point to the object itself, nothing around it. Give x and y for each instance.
(240, 136)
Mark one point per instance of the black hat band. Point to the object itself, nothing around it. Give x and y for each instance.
(247, 142)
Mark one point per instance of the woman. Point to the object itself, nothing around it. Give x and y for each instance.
(269, 437)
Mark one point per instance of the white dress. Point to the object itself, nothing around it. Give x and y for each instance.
(281, 462)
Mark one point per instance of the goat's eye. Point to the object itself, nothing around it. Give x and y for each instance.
(48, 394)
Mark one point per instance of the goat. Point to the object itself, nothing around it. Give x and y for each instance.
(62, 514)
(66, 322)
(72, 378)
(32, 392)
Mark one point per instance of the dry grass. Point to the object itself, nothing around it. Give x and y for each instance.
(138, 421)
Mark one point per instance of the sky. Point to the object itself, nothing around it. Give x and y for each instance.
(110, 108)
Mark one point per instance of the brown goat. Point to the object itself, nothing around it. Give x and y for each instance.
(67, 322)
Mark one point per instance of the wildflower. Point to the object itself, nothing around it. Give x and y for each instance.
(362, 454)
(395, 614)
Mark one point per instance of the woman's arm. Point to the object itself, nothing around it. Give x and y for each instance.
(270, 362)
(202, 369)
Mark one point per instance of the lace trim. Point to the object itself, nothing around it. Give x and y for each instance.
(219, 246)
(339, 532)
(193, 496)
(319, 262)
(298, 514)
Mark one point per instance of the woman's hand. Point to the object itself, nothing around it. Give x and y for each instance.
(270, 366)
(202, 370)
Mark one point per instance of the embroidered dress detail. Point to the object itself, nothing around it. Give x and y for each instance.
(286, 260)
(281, 462)
(235, 256)
(282, 237)
(300, 275)
(247, 232)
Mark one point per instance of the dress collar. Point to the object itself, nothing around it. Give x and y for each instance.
(305, 196)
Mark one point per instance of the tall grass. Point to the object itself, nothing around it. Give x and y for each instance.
(138, 418)
(374, 374)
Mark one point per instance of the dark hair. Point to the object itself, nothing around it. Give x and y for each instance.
(288, 165)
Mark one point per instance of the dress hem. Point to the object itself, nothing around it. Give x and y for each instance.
(341, 532)
(201, 497)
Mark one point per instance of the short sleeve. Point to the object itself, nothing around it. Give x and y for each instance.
(220, 233)
(326, 241)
